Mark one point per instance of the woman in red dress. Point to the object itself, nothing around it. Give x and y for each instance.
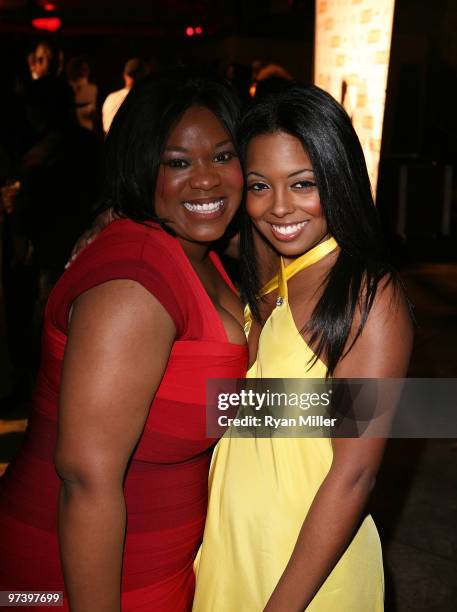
(107, 498)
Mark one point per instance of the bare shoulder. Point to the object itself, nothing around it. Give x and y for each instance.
(126, 290)
(390, 310)
(384, 346)
(116, 318)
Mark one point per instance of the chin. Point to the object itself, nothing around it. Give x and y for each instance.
(207, 236)
(290, 250)
(290, 253)
(296, 248)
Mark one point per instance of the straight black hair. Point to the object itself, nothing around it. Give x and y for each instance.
(138, 135)
(325, 131)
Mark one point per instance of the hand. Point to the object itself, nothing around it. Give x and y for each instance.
(101, 221)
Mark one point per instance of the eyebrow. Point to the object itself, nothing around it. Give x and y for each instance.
(216, 146)
(302, 170)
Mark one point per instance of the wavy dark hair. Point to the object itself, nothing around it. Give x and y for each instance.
(324, 129)
(138, 135)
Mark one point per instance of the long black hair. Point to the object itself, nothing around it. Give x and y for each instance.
(324, 129)
(138, 135)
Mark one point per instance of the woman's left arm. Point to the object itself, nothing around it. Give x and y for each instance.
(382, 351)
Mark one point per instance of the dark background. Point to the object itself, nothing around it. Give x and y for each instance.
(420, 128)
(415, 501)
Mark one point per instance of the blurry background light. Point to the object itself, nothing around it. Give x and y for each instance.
(189, 31)
(50, 24)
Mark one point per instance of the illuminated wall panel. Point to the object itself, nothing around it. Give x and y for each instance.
(352, 49)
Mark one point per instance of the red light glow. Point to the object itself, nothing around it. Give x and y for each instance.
(50, 24)
(189, 31)
(48, 6)
(198, 30)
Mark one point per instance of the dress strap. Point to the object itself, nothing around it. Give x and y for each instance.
(282, 282)
(304, 261)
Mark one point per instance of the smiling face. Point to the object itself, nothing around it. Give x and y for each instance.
(283, 200)
(200, 181)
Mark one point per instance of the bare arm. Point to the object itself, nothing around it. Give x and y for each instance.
(118, 346)
(382, 351)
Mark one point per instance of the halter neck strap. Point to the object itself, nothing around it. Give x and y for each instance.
(304, 261)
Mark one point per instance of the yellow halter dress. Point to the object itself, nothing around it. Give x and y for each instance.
(261, 490)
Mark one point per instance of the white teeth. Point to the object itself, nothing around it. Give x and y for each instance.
(288, 230)
(207, 208)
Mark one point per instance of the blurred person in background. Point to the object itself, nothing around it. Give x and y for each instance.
(60, 175)
(48, 60)
(134, 70)
(269, 79)
(85, 91)
(46, 207)
(20, 290)
(18, 273)
(31, 62)
(238, 75)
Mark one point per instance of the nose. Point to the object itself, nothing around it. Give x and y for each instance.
(282, 204)
(205, 177)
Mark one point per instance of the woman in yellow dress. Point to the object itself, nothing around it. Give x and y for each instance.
(287, 529)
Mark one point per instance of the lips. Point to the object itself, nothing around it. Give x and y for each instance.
(206, 207)
(287, 231)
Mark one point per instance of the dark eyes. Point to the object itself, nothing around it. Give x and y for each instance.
(179, 163)
(176, 163)
(224, 156)
(304, 185)
(300, 185)
(257, 187)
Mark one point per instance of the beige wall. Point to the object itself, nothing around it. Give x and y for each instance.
(352, 45)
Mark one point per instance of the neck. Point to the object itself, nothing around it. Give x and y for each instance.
(128, 82)
(195, 251)
(323, 253)
(267, 258)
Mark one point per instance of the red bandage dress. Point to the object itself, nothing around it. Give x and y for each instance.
(166, 482)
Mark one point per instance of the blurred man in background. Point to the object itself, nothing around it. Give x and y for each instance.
(134, 69)
(85, 91)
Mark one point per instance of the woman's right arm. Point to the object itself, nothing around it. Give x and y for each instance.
(118, 347)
